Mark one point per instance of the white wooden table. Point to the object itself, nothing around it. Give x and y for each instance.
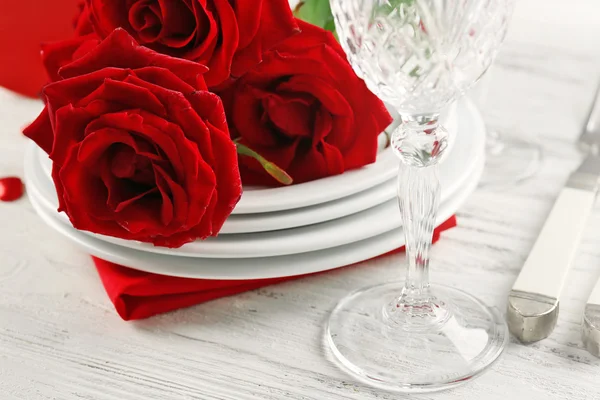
(61, 339)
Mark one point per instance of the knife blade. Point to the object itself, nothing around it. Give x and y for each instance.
(533, 302)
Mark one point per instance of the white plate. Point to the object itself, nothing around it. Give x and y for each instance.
(458, 161)
(262, 200)
(249, 268)
(349, 229)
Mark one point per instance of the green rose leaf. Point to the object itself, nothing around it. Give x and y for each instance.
(316, 12)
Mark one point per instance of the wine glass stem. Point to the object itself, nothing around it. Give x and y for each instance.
(419, 193)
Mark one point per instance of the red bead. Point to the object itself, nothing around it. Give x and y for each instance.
(11, 188)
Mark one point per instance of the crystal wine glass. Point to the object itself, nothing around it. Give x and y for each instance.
(418, 55)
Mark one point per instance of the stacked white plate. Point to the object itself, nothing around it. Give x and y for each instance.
(276, 232)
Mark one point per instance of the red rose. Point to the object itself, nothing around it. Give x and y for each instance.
(305, 109)
(140, 148)
(228, 36)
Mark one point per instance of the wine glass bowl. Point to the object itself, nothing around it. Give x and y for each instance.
(418, 56)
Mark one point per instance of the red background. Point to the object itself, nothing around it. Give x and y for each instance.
(24, 24)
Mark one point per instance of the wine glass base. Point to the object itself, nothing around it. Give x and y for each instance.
(419, 352)
(509, 160)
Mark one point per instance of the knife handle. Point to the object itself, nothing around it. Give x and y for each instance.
(548, 263)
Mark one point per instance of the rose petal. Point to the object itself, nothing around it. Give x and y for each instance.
(40, 131)
(84, 198)
(151, 128)
(245, 116)
(206, 35)
(248, 15)
(142, 220)
(178, 24)
(177, 211)
(311, 36)
(330, 97)
(166, 211)
(107, 15)
(120, 192)
(323, 126)
(292, 117)
(363, 148)
(58, 54)
(158, 79)
(83, 22)
(126, 203)
(69, 91)
(228, 183)
(95, 144)
(126, 94)
(219, 63)
(317, 162)
(122, 162)
(276, 24)
(69, 127)
(204, 104)
(145, 17)
(120, 50)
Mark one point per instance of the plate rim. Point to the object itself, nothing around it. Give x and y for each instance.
(252, 268)
(304, 216)
(234, 246)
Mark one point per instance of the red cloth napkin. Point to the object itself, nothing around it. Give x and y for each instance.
(24, 24)
(138, 294)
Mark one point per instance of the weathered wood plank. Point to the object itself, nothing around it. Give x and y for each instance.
(60, 338)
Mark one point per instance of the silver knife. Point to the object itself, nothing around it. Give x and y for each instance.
(533, 302)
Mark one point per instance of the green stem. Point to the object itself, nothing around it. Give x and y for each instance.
(279, 174)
